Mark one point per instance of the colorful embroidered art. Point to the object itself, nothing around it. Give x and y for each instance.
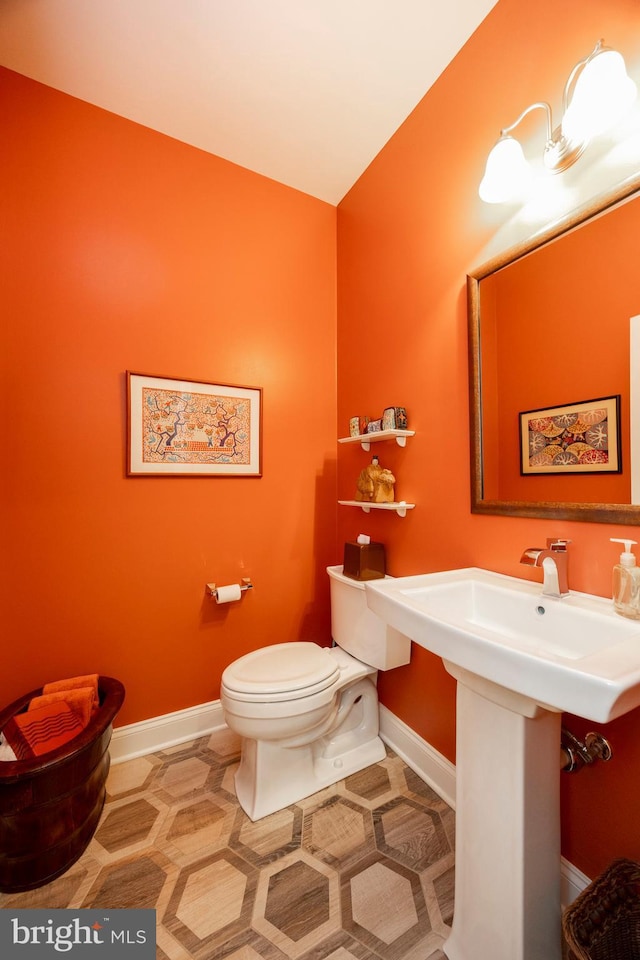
(579, 438)
(192, 428)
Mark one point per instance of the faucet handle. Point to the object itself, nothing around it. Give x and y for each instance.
(558, 545)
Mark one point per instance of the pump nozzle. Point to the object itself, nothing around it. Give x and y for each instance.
(627, 557)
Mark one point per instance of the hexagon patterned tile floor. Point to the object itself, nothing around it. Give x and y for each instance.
(360, 871)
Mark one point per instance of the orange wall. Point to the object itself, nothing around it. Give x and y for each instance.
(408, 233)
(125, 249)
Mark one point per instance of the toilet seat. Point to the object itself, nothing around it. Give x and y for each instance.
(281, 672)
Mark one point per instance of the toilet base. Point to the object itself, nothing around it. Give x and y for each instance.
(270, 776)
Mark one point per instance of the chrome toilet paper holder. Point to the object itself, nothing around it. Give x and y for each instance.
(245, 584)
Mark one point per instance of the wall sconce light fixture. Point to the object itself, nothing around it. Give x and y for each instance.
(596, 96)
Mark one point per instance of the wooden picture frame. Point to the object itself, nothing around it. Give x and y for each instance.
(192, 428)
(581, 437)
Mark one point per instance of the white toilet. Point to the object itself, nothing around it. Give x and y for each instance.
(308, 715)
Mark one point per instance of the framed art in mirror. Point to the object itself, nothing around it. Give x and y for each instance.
(580, 438)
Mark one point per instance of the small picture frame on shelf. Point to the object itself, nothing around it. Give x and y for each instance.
(394, 418)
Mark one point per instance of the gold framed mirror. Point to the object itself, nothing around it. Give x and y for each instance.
(553, 298)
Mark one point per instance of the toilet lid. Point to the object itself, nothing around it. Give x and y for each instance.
(284, 671)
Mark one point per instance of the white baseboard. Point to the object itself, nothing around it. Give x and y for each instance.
(171, 729)
(424, 759)
(572, 882)
(159, 733)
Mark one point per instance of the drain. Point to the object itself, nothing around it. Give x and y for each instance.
(540, 610)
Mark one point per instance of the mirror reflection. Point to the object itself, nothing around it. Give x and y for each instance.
(550, 327)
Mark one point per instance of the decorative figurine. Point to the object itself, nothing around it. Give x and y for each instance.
(375, 484)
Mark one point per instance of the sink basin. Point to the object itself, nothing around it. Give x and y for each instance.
(574, 655)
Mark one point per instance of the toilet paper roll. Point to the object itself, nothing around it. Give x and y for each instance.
(228, 593)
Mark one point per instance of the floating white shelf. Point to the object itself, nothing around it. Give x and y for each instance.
(366, 439)
(400, 507)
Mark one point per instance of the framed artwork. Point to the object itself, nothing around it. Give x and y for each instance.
(192, 428)
(579, 437)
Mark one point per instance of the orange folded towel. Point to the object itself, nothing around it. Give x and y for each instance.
(37, 731)
(81, 701)
(90, 680)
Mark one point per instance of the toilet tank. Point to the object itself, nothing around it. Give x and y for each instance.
(357, 630)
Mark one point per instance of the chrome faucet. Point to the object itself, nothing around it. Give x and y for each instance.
(553, 561)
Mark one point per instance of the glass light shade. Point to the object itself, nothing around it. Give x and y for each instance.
(507, 173)
(602, 96)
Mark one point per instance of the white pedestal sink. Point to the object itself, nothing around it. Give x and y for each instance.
(520, 659)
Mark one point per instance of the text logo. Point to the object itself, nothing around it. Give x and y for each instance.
(78, 934)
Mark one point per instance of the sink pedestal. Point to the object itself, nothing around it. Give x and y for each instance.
(507, 879)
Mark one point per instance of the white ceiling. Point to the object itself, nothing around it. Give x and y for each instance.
(306, 92)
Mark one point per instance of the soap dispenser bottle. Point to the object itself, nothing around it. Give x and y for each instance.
(626, 582)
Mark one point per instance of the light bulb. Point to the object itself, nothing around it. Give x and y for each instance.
(602, 96)
(507, 173)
